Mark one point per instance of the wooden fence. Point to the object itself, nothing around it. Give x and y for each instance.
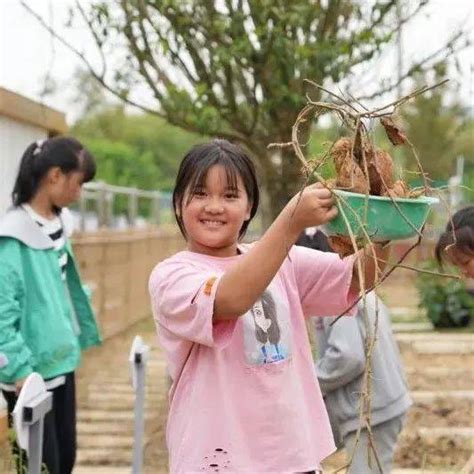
(116, 266)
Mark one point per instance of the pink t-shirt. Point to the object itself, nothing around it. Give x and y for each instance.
(245, 396)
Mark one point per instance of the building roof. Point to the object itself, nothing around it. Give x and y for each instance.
(22, 109)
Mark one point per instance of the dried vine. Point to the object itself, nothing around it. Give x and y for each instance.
(352, 114)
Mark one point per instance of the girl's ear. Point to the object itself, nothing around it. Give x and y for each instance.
(54, 175)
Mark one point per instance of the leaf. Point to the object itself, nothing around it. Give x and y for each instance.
(394, 132)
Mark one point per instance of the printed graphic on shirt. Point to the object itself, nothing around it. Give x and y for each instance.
(266, 327)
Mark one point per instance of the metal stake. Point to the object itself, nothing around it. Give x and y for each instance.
(33, 416)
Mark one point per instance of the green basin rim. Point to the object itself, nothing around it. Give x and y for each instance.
(421, 199)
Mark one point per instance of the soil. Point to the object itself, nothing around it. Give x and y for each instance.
(440, 414)
(420, 361)
(6, 462)
(400, 290)
(455, 381)
(155, 453)
(416, 452)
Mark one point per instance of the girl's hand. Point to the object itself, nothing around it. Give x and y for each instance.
(19, 385)
(314, 206)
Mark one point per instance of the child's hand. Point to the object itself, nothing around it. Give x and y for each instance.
(19, 385)
(313, 207)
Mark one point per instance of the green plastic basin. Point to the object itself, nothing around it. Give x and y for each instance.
(379, 216)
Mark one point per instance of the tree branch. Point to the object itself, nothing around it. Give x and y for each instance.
(98, 41)
(89, 66)
(415, 67)
(140, 57)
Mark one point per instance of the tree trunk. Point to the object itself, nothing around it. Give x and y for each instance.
(279, 186)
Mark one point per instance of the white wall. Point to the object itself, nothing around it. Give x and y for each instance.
(14, 138)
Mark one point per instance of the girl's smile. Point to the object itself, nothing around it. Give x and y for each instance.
(212, 223)
(214, 214)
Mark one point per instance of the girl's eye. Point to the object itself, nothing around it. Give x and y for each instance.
(199, 193)
(231, 196)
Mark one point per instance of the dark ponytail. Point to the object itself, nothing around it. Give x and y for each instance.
(66, 153)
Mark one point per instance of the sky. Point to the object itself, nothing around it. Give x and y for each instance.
(28, 54)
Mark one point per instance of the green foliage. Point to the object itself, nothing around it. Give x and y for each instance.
(466, 148)
(142, 151)
(446, 301)
(440, 132)
(468, 184)
(16, 460)
(321, 140)
(121, 164)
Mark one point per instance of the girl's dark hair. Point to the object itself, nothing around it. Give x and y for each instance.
(193, 171)
(459, 232)
(66, 153)
(317, 241)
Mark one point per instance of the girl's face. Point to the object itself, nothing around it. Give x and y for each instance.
(64, 188)
(214, 216)
(464, 261)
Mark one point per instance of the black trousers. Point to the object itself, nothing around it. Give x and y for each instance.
(59, 440)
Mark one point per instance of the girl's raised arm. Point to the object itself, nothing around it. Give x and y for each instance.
(243, 284)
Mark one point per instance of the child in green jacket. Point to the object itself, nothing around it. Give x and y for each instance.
(45, 316)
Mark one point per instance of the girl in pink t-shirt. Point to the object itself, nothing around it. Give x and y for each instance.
(231, 320)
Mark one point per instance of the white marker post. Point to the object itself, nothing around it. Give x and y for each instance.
(33, 403)
(138, 358)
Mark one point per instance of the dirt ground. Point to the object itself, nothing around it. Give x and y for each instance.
(155, 452)
(420, 381)
(444, 453)
(399, 290)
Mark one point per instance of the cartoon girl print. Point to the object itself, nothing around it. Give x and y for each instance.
(266, 331)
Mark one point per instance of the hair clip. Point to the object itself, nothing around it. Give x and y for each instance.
(39, 144)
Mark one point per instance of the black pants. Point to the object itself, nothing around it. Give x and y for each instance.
(59, 440)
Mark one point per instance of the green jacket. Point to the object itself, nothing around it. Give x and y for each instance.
(43, 326)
